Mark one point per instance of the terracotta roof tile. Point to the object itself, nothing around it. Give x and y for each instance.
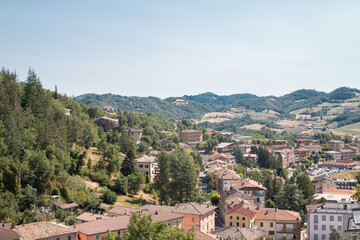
(247, 183)
(40, 230)
(8, 234)
(277, 215)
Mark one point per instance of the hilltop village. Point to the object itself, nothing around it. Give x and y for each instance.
(77, 172)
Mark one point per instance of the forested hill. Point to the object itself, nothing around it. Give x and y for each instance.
(194, 106)
(169, 108)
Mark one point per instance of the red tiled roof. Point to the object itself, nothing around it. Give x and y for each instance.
(247, 183)
(277, 215)
(39, 230)
(8, 234)
(243, 211)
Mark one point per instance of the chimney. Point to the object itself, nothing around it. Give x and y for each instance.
(74, 225)
(156, 212)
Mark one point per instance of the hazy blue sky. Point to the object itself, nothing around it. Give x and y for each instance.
(172, 48)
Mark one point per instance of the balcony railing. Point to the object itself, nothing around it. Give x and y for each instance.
(284, 230)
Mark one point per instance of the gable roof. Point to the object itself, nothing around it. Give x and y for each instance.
(102, 225)
(40, 230)
(247, 183)
(68, 206)
(183, 208)
(243, 211)
(205, 236)
(145, 159)
(88, 217)
(277, 215)
(120, 210)
(223, 145)
(235, 233)
(7, 234)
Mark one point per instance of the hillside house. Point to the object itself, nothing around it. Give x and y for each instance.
(225, 147)
(136, 133)
(146, 164)
(255, 189)
(281, 224)
(201, 217)
(45, 231)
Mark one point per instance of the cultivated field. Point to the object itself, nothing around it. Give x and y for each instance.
(352, 129)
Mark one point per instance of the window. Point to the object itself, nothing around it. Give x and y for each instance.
(323, 218)
(331, 227)
(271, 232)
(230, 217)
(57, 238)
(237, 218)
(243, 225)
(323, 227)
(141, 166)
(69, 237)
(315, 237)
(243, 218)
(331, 218)
(271, 224)
(316, 227)
(340, 228)
(316, 219)
(323, 236)
(237, 224)
(146, 166)
(339, 218)
(261, 224)
(230, 223)
(119, 233)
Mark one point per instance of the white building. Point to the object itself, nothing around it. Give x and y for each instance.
(323, 217)
(146, 164)
(333, 155)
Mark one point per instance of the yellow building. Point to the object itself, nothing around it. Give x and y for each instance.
(241, 217)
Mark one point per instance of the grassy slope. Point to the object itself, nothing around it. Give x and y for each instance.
(352, 129)
(347, 174)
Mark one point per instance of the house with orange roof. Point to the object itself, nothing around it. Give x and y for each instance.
(302, 154)
(281, 224)
(254, 188)
(241, 215)
(201, 217)
(45, 231)
(95, 230)
(121, 211)
(230, 198)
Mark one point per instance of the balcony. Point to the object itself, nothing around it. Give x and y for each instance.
(293, 231)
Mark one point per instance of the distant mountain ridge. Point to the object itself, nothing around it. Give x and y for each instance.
(194, 106)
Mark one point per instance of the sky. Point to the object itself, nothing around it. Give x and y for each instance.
(172, 48)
